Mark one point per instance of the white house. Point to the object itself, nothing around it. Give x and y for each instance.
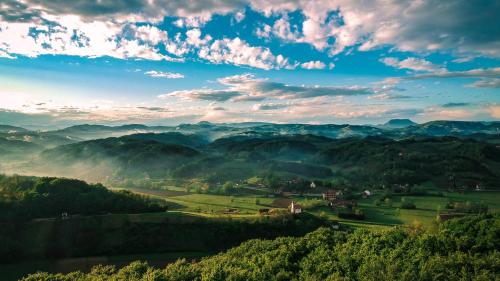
(313, 185)
(367, 193)
(295, 208)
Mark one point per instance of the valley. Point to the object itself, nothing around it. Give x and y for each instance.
(162, 193)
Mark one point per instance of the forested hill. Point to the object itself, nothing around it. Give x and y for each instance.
(463, 249)
(23, 198)
(128, 156)
(446, 162)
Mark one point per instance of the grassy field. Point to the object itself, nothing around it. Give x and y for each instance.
(426, 210)
(208, 203)
(382, 216)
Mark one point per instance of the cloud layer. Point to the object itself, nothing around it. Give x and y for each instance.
(247, 87)
(131, 29)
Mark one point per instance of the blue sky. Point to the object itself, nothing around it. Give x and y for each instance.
(169, 62)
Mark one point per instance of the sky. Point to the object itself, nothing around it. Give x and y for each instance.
(165, 62)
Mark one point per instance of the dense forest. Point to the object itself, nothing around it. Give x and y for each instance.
(374, 161)
(24, 198)
(461, 249)
(445, 154)
(109, 235)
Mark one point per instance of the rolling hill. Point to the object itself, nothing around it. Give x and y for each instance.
(120, 157)
(448, 162)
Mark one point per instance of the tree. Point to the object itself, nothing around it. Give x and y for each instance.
(228, 187)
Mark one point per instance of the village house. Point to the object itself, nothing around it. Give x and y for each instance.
(313, 185)
(295, 208)
(331, 194)
(342, 203)
(367, 193)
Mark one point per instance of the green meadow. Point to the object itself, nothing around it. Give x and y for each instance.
(376, 216)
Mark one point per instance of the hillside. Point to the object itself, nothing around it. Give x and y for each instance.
(463, 249)
(446, 162)
(11, 129)
(18, 143)
(190, 140)
(17, 148)
(24, 198)
(454, 128)
(122, 157)
(88, 132)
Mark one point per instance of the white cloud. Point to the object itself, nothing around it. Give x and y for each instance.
(418, 26)
(194, 37)
(203, 94)
(268, 106)
(238, 52)
(160, 74)
(493, 72)
(72, 36)
(193, 12)
(150, 34)
(488, 77)
(313, 65)
(283, 30)
(192, 21)
(486, 83)
(239, 16)
(415, 64)
(264, 31)
(388, 96)
(4, 54)
(462, 27)
(246, 87)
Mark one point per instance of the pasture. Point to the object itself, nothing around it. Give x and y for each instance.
(376, 215)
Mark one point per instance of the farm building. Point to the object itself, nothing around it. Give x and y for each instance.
(331, 194)
(295, 208)
(367, 193)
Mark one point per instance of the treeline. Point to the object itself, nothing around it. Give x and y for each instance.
(140, 234)
(463, 249)
(24, 198)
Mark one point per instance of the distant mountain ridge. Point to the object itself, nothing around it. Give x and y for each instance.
(395, 128)
(195, 135)
(11, 129)
(399, 123)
